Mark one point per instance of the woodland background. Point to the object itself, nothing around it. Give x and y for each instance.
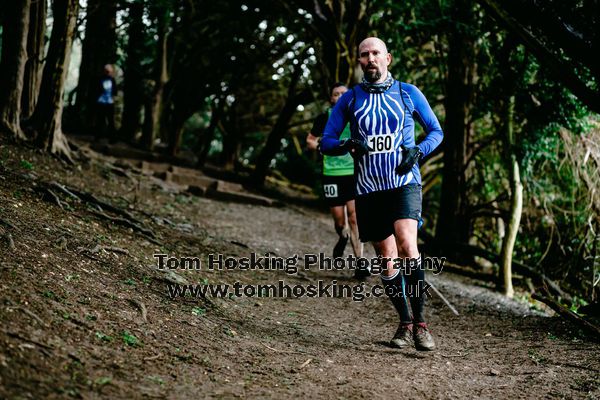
(236, 84)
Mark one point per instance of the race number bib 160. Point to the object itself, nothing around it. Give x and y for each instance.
(330, 190)
(381, 143)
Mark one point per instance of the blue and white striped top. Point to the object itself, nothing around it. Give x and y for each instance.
(385, 121)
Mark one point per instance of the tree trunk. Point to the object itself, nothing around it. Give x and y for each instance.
(277, 133)
(12, 67)
(175, 130)
(232, 134)
(46, 119)
(134, 86)
(516, 203)
(99, 49)
(340, 25)
(147, 140)
(500, 229)
(232, 154)
(152, 111)
(453, 225)
(35, 56)
(279, 129)
(209, 133)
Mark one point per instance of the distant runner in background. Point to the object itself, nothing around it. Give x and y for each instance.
(338, 182)
(105, 105)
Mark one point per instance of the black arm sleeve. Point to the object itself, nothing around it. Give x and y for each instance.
(319, 125)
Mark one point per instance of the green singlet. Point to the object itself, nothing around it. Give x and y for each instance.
(339, 165)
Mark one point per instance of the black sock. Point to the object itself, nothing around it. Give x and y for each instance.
(339, 230)
(416, 280)
(395, 290)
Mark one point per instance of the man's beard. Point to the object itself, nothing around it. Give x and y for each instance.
(372, 75)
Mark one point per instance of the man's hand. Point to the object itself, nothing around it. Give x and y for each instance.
(356, 148)
(409, 157)
(312, 141)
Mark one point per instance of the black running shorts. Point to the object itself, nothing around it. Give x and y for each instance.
(338, 190)
(376, 212)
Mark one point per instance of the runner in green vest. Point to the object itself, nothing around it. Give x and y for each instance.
(339, 187)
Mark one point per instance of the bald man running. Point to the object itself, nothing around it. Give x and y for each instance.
(382, 112)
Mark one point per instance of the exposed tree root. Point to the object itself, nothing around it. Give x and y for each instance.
(127, 219)
(141, 307)
(129, 224)
(55, 198)
(444, 299)
(30, 313)
(564, 312)
(64, 190)
(7, 224)
(112, 249)
(59, 147)
(11, 242)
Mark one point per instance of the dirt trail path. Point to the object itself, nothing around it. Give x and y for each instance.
(496, 348)
(73, 325)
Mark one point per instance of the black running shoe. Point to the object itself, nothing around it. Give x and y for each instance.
(340, 246)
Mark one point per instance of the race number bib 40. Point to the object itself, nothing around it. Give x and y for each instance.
(381, 143)
(330, 190)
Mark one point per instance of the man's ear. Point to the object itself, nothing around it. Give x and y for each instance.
(389, 58)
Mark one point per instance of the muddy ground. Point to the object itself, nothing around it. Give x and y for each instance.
(86, 313)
